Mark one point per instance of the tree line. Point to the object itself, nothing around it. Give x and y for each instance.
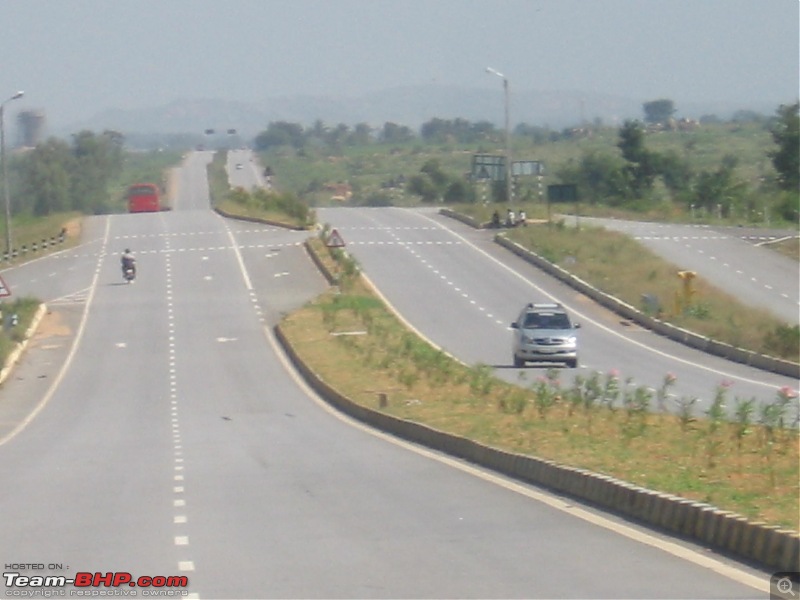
(75, 175)
(332, 138)
(629, 176)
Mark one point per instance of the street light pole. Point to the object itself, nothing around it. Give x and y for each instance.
(509, 195)
(5, 169)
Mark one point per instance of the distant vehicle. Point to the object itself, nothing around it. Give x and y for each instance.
(129, 274)
(544, 333)
(143, 197)
(239, 166)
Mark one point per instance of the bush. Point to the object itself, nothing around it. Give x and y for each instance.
(783, 341)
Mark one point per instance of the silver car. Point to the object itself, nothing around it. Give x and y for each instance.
(544, 333)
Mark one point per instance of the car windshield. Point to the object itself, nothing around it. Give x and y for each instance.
(546, 321)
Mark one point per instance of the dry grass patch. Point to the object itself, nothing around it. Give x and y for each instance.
(596, 422)
(622, 267)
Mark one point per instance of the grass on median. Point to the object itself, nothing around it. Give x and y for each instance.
(11, 335)
(598, 422)
(622, 267)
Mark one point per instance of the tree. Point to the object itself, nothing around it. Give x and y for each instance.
(361, 135)
(280, 133)
(422, 186)
(57, 176)
(675, 171)
(396, 134)
(45, 180)
(433, 184)
(658, 111)
(433, 169)
(642, 164)
(602, 175)
(337, 136)
(786, 159)
(98, 159)
(719, 187)
(459, 191)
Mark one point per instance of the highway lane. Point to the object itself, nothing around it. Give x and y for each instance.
(176, 442)
(461, 291)
(728, 257)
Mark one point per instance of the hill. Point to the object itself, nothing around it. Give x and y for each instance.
(411, 106)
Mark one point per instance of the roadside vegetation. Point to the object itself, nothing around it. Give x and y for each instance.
(748, 464)
(741, 171)
(639, 277)
(16, 317)
(283, 208)
(735, 172)
(52, 186)
(56, 183)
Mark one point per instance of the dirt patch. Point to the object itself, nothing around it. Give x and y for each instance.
(72, 228)
(51, 325)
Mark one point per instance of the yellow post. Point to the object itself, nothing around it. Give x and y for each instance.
(688, 290)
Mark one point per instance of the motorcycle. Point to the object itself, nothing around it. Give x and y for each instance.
(129, 274)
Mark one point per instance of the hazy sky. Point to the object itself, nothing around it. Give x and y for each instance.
(74, 58)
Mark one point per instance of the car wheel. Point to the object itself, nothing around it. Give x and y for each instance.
(572, 363)
(518, 362)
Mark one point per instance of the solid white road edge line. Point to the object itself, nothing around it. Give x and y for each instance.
(73, 350)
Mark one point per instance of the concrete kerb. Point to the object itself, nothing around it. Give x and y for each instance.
(773, 548)
(776, 549)
(326, 273)
(768, 363)
(235, 217)
(15, 354)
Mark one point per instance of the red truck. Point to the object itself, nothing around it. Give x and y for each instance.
(143, 197)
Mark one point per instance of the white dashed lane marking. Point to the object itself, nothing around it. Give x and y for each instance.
(179, 518)
(410, 246)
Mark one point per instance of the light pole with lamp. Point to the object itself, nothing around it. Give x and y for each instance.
(509, 195)
(5, 169)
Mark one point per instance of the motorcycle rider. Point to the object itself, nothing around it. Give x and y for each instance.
(128, 262)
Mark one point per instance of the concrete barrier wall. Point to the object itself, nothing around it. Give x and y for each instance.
(723, 531)
(740, 355)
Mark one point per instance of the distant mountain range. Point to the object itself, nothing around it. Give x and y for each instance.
(410, 106)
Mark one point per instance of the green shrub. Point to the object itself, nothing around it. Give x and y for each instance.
(783, 341)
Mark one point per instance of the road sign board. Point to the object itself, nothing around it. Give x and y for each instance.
(567, 192)
(335, 240)
(527, 167)
(488, 166)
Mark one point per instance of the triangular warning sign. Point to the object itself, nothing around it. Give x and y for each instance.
(4, 289)
(335, 240)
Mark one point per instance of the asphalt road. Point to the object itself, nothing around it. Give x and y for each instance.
(733, 259)
(173, 440)
(461, 290)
